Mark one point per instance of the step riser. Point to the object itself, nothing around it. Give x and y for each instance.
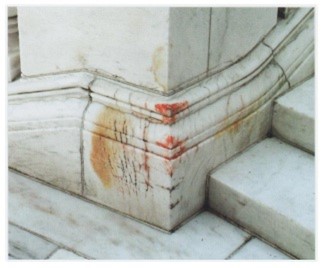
(294, 128)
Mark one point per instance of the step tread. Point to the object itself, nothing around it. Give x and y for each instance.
(277, 175)
(301, 99)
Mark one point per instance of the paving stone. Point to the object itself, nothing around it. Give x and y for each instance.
(255, 249)
(62, 254)
(102, 234)
(25, 245)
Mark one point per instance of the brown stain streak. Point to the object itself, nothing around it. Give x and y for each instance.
(146, 160)
(104, 156)
(157, 66)
(173, 205)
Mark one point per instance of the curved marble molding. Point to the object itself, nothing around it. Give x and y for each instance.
(148, 155)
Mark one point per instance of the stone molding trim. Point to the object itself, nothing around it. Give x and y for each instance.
(144, 154)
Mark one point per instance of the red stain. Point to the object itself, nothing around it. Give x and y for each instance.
(168, 120)
(170, 109)
(170, 142)
(180, 152)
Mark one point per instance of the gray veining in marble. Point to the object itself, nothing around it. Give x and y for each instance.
(24, 245)
(102, 234)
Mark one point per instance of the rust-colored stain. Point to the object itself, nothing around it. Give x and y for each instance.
(170, 109)
(146, 160)
(168, 120)
(170, 142)
(100, 152)
(158, 66)
(180, 152)
(169, 167)
(104, 156)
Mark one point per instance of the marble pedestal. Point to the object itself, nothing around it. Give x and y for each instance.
(135, 114)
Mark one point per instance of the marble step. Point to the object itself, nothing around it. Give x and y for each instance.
(80, 228)
(294, 116)
(270, 190)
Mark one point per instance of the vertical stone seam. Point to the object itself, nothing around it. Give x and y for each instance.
(239, 247)
(83, 186)
(52, 253)
(209, 42)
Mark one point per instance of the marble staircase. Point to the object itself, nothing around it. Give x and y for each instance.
(270, 188)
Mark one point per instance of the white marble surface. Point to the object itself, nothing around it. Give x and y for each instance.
(99, 233)
(139, 101)
(27, 246)
(255, 249)
(294, 116)
(62, 254)
(188, 45)
(44, 136)
(148, 160)
(155, 48)
(272, 194)
(232, 38)
(134, 40)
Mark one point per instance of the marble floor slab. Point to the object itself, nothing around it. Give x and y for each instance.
(255, 249)
(25, 245)
(80, 228)
(63, 254)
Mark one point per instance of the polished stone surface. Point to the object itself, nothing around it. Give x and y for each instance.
(270, 189)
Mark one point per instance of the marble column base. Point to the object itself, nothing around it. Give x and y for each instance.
(147, 155)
